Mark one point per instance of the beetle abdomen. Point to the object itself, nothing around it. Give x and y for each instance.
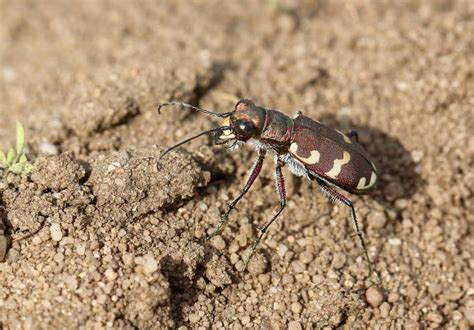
(333, 156)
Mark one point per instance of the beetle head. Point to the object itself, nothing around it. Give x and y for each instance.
(246, 121)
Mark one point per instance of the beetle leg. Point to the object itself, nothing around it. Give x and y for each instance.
(333, 193)
(280, 187)
(253, 175)
(353, 134)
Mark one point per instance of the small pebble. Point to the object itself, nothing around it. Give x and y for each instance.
(110, 274)
(469, 314)
(296, 307)
(393, 297)
(245, 319)
(112, 167)
(257, 264)
(374, 296)
(377, 219)
(239, 266)
(242, 239)
(218, 242)
(203, 206)
(412, 292)
(36, 240)
(298, 266)
(150, 265)
(55, 231)
(233, 247)
(282, 249)
(306, 257)
(434, 317)
(295, 325)
(194, 318)
(288, 279)
(395, 241)
(384, 309)
(48, 148)
(336, 319)
(417, 155)
(59, 258)
(80, 249)
(338, 260)
(401, 203)
(13, 255)
(457, 316)
(264, 278)
(234, 258)
(279, 305)
(72, 282)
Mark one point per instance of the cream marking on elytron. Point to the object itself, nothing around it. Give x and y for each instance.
(346, 138)
(337, 167)
(312, 159)
(362, 185)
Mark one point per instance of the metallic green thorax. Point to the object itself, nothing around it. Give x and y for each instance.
(277, 129)
(267, 126)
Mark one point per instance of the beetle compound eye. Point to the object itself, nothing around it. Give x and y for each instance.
(243, 129)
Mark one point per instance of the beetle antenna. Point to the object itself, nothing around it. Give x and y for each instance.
(185, 105)
(218, 129)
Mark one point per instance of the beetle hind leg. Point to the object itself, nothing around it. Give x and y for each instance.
(334, 195)
(353, 134)
(280, 187)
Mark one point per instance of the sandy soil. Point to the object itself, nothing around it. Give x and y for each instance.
(98, 236)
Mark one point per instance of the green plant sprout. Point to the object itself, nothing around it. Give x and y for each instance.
(15, 161)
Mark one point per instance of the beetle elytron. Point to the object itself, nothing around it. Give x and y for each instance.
(309, 149)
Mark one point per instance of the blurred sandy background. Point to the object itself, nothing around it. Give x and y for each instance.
(120, 244)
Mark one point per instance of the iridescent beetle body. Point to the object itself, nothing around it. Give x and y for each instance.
(309, 149)
(332, 155)
(326, 153)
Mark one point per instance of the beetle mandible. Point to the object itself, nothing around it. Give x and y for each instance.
(310, 149)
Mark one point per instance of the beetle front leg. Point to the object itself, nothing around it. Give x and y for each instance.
(257, 167)
(280, 186)
(341, 198)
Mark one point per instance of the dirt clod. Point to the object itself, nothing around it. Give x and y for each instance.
(141, 183)
(57, 172)
(258, 264)
(217, 271)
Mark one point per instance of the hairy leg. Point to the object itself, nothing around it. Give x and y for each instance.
(332, 193)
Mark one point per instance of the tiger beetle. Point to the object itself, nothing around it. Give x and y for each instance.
(310, 149)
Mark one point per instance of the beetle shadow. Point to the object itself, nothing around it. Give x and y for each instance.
(182, 292)
(397, 171)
